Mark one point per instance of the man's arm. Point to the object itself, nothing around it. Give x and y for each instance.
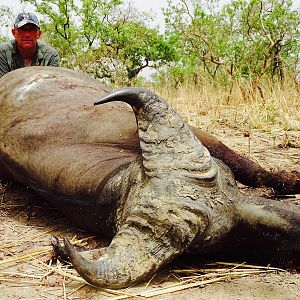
(4, 67)
(54, 60)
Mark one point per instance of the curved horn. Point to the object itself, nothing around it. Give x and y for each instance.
(142, 245)
(162, 216)
(120, 266)
(167, 143)
(132, 96)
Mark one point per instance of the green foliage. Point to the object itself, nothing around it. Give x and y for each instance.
(243, 41)
(6, 20)
(104, 38)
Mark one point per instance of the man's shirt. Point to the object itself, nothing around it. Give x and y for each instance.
(10, 58)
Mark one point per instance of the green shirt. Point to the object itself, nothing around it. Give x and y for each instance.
(10, 58)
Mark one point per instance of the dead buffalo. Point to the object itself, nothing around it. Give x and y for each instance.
(144, 179)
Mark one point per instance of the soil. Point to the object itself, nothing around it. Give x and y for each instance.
(27, 224)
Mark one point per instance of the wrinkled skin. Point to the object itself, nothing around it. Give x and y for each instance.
(144, 179)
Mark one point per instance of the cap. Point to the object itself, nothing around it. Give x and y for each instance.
(26, 18)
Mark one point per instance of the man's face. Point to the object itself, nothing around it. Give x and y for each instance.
(26, 36)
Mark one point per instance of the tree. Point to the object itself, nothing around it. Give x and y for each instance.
(243, 42)
(6, 19)
(105, 38)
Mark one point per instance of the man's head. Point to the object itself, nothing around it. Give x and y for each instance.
(26, 30)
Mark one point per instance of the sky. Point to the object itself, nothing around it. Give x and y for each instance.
(142, 5)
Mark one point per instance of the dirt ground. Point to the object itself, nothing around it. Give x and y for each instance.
(27, 224)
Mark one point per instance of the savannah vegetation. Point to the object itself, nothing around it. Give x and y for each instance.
(237, 63)
(231, 67)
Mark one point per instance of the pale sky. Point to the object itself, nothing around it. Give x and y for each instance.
(153, 5)
(142, 5)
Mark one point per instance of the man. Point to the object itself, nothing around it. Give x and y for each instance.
(25, 50)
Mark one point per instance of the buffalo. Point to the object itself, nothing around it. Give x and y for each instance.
(131, 169)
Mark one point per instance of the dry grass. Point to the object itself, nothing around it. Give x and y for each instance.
(42, 274)
(278, 111)
(27, 224)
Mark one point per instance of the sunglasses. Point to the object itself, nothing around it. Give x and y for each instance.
(28, 29)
